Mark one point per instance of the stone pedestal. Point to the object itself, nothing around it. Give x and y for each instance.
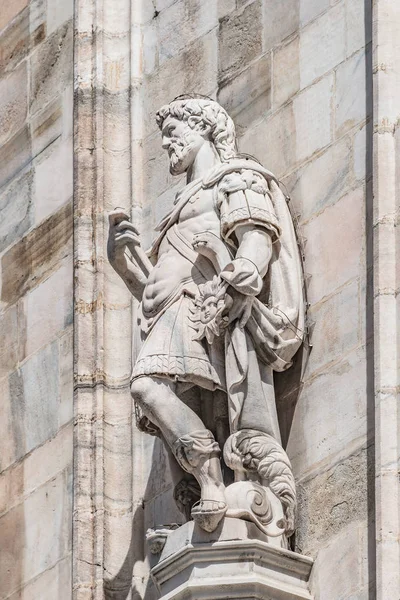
(235, 561)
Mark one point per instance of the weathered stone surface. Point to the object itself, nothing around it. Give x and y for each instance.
(52, 584)
(10, 351)
(312, 110)
(331, 413)
(47, 125)
(195, 19)
(34, 389)
(36, 534)
(66, 408)
(358, 31)
(321, 181)
(51, 67)
(15, 155)
(21, 36)
(49, 308)
(272, 141)
(248, 96)
(44, 463)
(16, 207)
(340, 226)
(13, 102)
(58, 11)
(351, 105)
(9, 10)
(36, 255)
(310, 9)
(286, 72)
(179, 74)
(327, 503)
(337, 327)
(346, 554)
(240, 40)
(322, 45)
(53, 179)
(280, 20)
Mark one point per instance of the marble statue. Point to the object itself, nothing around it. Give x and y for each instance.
(221, 308)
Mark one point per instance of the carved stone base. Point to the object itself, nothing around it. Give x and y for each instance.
(233, 562)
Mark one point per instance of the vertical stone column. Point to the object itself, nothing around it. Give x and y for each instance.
(103, 312)
(386, 146)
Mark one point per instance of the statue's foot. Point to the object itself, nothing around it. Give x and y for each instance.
(208, 513)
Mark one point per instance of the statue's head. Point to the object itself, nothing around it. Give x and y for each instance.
(187, 123)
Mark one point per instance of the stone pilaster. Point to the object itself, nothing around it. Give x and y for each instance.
(386, 147)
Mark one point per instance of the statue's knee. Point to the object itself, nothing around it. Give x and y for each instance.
(141, 390)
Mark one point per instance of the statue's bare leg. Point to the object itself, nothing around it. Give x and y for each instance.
(193, 446)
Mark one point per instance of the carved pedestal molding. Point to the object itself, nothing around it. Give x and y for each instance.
(386, 193)
(234, 562)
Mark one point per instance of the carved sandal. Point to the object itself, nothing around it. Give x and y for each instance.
(208, 513)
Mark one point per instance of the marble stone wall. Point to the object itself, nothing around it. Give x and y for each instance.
(296, 77)
(36, 389)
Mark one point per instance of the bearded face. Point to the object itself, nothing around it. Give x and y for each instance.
(182, 144)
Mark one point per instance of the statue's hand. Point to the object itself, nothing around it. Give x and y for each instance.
(122, 234)
(240, 307)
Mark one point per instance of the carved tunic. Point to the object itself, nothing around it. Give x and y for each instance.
(169, 346)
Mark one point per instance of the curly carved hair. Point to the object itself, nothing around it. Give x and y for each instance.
(211, 113)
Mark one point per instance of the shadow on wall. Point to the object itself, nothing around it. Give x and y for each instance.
(123, 585)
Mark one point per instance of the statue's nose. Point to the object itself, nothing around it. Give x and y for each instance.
(166, 142)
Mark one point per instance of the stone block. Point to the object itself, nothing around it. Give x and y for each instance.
(281, 19)
(181, 75)
(58, 12)
(53, 179)
(272, 141)
(351, 90)
(312, 110)
(247, 98)
(322, 45)
(330, 501)
(331, 414)
(49, 308)
(337, 327)
(51, 67)
(9, 10)
(39, 529)
(9, 352)
(15, 155)
(9, 442)
(54, 583)
(16, 209)
(41, 465)
(66, 354)
(21, 36)
(225, 7)
(339, 227)
(33, 258)
(286, 72)
(343, 555)
(240, 40)
(310, 9)
(191, 19)
(322, 181)
(150, 47)
(13, 102)
(34, 389)
(358, 12)
(46, 126)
